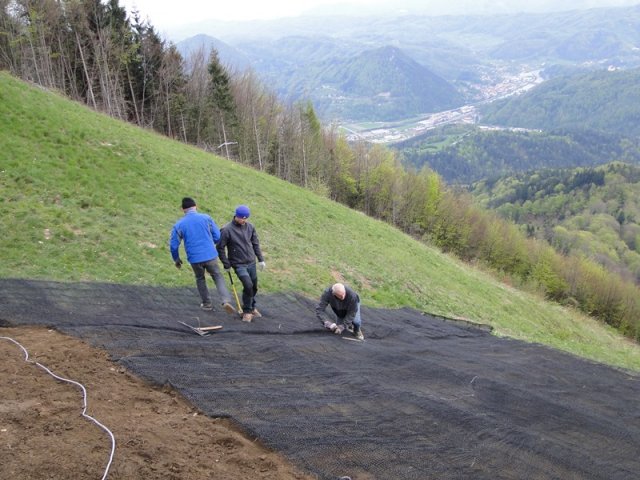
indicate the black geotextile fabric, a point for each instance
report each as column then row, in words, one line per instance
column 420, row 398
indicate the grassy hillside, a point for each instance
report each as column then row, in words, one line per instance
column 88, row 198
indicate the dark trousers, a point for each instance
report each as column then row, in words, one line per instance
column 210, row 267
column 357, row 320
column 248, row 275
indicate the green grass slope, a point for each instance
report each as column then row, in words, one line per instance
column 88, row 198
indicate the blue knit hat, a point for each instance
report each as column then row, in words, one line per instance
column 242, row 211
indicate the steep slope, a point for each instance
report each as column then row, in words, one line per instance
column 420, row 398
column 88, row 198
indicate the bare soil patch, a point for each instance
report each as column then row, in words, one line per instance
column 158, row 434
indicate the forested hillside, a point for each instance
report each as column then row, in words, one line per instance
column 593, row 212
column 384, row 83
column 607, row 101
column 464, row 155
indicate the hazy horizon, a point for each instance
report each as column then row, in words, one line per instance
column 174, row 22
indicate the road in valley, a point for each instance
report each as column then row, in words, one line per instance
column 397, row 131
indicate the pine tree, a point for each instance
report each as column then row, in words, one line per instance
column 221, row 103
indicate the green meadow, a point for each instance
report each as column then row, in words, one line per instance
column 86, row 198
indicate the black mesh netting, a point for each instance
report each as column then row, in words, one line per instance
column 420, row 398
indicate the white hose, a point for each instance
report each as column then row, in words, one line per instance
column 84, row 402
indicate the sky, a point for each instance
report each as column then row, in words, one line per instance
column 167, row 15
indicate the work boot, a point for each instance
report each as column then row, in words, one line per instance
column 247, row 317
column 206, row 306
column 229, row 308
column 358, row 334
column 256, row 313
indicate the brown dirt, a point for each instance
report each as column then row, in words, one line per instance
column 159, row 435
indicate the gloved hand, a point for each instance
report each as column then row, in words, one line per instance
column 262, row 265
column 339, row 329
column 178, row 264
column 329, row 325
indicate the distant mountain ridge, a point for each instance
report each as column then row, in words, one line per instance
column 594, row 34
column 380, row 83
column 229, row 56
column 608, row 101
column 472, row 53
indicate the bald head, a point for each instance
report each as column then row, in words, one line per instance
column 338, row 291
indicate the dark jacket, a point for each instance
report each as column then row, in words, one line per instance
column 345, row 309
column 239, row 245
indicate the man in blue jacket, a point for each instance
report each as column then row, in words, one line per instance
column 345, row 303
column 200, row 233
column 238, row 248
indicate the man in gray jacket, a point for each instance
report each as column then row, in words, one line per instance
column 345, row 303
column 238, row 247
